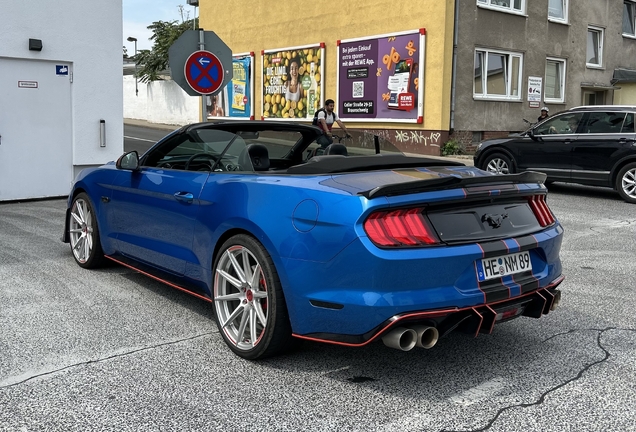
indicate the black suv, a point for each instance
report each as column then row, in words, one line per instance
column 591, row 145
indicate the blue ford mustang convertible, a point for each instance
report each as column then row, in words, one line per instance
column 347, row 244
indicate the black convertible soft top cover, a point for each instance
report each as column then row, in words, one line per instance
column 339, row 164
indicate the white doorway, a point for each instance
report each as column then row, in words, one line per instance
column 36, row 147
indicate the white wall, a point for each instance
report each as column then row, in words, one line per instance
column 160, row 102
column 88, row 35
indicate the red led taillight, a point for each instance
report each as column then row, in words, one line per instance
column 400, row 228
column 541, row 210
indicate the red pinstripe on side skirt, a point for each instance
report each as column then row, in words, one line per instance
column 170, row 284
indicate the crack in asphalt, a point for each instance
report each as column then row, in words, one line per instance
column 103, row 359
column 563, row 384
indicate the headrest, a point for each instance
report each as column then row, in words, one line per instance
column 254, row 156
column 336, row 149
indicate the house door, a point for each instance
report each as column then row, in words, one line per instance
column 36, row 148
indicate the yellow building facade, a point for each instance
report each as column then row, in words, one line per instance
column 344, row 50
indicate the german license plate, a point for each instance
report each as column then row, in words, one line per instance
column 504, row 265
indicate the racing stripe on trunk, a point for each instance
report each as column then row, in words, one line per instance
column 527, row 242
column 512, row 245
column 494, row 248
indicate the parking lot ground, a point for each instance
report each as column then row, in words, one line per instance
column 113, row 350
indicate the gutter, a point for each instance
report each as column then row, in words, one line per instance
column 454, row 71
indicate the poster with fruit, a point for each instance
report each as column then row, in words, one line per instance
column 236, row 99
column 381, row 78
column 292, row 83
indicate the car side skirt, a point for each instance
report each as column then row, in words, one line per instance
column 476, row 319
column 160, row 276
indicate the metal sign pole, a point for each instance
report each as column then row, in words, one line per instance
column 204, row 105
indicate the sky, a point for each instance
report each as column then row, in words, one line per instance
column 139, row 14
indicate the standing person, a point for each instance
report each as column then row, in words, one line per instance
column 544, row 114
column 324, row 119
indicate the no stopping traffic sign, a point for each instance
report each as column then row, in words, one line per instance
column 203, row 72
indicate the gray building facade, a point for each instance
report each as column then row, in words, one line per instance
column 513, row 57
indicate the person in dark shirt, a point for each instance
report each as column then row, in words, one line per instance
column 544, row 114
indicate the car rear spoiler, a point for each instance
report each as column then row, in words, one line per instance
column 453, row 182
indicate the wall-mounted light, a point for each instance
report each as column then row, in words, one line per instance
column 35, row 44
column 102, row 133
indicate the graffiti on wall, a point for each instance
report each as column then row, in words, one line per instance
column 413, row 141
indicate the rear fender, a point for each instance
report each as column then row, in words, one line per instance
column 619, row 165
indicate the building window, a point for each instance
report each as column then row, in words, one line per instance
column 497, row 75
column 555, row 80
column 629, row 14
column 594, row 47
column 558, row 11
column 514, row 6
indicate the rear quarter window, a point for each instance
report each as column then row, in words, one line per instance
column 604, row 123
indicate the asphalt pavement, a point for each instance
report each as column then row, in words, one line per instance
column 112, row 350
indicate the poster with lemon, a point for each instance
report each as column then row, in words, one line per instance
column 292, row 82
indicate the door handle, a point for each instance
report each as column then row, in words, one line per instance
column 184, row 196
column 626, row 140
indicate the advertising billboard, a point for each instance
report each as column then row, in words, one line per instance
column 292, row 82
column 235, row 101
column 381, row 78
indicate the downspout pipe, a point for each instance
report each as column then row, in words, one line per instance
column 454, row 71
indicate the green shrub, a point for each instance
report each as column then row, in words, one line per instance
column 452, row 147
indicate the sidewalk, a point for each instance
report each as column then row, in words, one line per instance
column 145, row 123
column 466, row 160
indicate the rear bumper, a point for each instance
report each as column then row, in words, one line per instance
column 364, row 287
column 473, row 320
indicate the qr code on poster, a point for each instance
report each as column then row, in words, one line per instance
column 358, row 89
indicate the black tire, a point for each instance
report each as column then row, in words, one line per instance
column 498, row 163
column 237, row 316
column 84, row 233
column 626, row 183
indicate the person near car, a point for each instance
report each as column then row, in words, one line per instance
column 326, row 118
column 544, row 114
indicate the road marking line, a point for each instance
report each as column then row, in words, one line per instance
column 139, row 139
column 478, row 393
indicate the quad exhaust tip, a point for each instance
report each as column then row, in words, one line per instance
column 405, row 339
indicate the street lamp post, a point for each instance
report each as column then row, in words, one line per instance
column 132, row 39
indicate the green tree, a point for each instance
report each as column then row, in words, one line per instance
column 154, row 61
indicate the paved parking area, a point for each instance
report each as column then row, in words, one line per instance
column 112, row 350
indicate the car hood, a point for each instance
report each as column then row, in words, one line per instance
column 497, row 141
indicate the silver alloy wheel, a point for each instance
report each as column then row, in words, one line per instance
column 628, row 183
column 81, row 230
column 240, row 297
column 499, row 166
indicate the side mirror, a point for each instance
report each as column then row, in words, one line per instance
column 532, row 135
column 128, row 161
